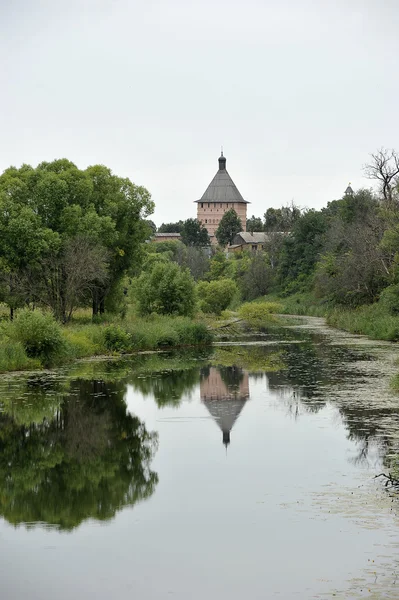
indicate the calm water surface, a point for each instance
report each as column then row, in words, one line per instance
column 245, row 471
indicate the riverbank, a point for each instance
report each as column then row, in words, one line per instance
column 35, row 340
column 373, row 320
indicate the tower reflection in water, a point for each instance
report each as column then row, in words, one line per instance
column 224, row 391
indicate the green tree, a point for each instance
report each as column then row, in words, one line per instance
column 166, row 290
column 257, row 278
column 171, row 227
column 254, row 224
column 193, row 233
column 281, row 219
column 42, row 209
column 301, row 249
column 230, row 224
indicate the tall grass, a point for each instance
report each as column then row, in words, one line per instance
column 35, row 340
column 372, row 320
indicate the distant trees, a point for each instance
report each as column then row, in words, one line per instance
column 171, row 227
column 281, row 219
column 254, row 224
column 230, row 224
column 68, row 236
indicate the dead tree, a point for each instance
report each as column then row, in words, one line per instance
column 384, row 168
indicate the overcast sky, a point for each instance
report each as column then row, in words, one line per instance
column 298, row 92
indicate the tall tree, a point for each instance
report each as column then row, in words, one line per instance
column 230, row 224
column 281, row 219
column 384, row 168
column 193, row 233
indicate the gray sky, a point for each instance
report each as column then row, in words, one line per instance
column 299, row 92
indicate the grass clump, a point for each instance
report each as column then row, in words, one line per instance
column 14, row 358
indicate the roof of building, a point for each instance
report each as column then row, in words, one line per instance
column 167, row 234
column 349, row 190
column 222, row 188
column 257, row 237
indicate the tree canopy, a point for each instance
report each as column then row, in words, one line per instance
column 193, row 233
column 57, row 219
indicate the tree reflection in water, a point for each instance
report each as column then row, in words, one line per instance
column 84, row 456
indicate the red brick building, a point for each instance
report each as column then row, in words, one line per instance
column 220, row 196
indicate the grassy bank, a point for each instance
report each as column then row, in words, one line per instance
column 34, row 340
column 373, row 320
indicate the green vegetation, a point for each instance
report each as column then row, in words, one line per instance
column 166, row 289
column 259, row 314
column 34, row 339
column 216, row 296
column 67, row 236
column 230, row 224
column 39, row 334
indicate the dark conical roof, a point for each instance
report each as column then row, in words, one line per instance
column 349, row 190
column 222, row 188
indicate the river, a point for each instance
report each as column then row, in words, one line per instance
column 242, row 471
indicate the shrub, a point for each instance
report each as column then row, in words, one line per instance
column 257, row 314
column 215, row 296
column 40, row 335
column 116, row 338
column 166, row 290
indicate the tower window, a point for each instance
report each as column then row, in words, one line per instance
column 202, row 205
column 206, row 220
column 208, row 204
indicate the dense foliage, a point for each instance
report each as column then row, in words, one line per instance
column 68, row 236
column 230, row 224
column 167, row 290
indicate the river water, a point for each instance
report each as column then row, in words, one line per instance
column 242, row 471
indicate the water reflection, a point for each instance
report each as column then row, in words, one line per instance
column 80, row 456
column 224, row 391
column 70, row 450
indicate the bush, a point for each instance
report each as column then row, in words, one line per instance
column 116, row 338
column 40, row 335
column 257, row 314
column 215, row 296
column 166, row 290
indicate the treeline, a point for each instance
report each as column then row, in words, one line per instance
column 346, row 254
